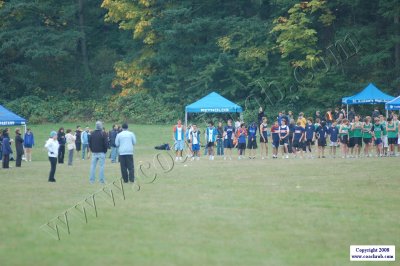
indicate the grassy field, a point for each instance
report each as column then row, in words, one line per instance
column 248, row 212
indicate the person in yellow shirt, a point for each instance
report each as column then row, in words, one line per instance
column 302, row 120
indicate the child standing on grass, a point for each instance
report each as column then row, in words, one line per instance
column 322, row 132
column 385, row 144
column 298, row 137
column 229, row 134
column 344, row 137
column 397, row 126
column 211, row 136
column 392, row 135
column 195, row 141
column 275, row 139
column 179, row 139
column 333, row 137
column 241, row 135
column 310, row 136
column 264, row 138
column 367, row 136
column 351, row 143
column 252, row 140
column 357, row 132
column 377, row 130
column 283, row 137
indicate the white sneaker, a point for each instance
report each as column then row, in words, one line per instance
column 180, row 158
column 176, row 159
column 287, row 157
column 224, row 158
column 198, row 158
column 262, row 158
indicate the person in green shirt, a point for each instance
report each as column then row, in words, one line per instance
column 367, row 136
column 377, row 130
column 397, row 125
column 351, row 140
column 344, row 137
column 392, row 135
column 357, row 131
column 384, row 137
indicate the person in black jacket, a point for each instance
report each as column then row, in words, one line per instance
column 19, row 147
column 61, row 140
column 6, row 149
column 98, row 143
column 78, row 141
column 112, row 135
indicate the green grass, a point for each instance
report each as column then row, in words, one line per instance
column 271, row 212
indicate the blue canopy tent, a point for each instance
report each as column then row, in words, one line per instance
column 370, row 95
column 8, row 118
column 212, row 103
column 393, row 104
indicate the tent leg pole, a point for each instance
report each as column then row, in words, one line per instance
column 387, row 114
column 347, row 114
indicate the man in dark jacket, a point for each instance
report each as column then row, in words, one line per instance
column 61, row 140
column 78, row 140
column 19, row 147
column 6, row 149
column 112, row 135
column 98, row 143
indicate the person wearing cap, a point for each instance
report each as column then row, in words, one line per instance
column 98, row 144
column 52, row 147
column 125, row 142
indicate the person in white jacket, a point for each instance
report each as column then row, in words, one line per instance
column 125, row 142
column 52, row 151
column 70, row 138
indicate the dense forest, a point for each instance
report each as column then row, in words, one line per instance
column 144, row 60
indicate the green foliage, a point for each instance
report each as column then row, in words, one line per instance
column 87, row 56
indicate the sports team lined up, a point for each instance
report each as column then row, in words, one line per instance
column 296, row 137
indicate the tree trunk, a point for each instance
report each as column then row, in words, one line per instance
column 82, row 40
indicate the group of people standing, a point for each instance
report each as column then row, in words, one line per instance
column 94, row 144
column 349, row 131
column 23, row 146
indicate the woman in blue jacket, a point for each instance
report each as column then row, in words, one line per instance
column 29, row 142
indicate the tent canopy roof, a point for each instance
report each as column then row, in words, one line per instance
column 393, row 104
column 370, row 95
column 213, row 103
column 8, row 118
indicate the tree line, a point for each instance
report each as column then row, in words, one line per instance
column 115, row 57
